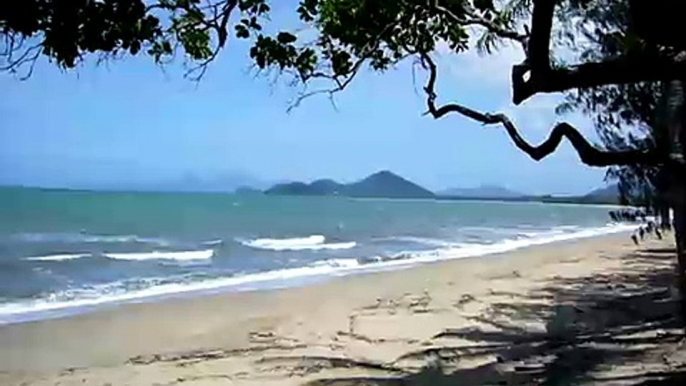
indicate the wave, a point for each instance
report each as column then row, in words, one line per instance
column 507, row 245
column 60, row 257
column 74, row 299
column 87, row 238
column 314, row 242
column 117, row 292
column 158, row 255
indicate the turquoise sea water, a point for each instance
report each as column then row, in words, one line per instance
column 69, row 251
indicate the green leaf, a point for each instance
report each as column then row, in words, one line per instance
column 242, row 31
column 285, row 38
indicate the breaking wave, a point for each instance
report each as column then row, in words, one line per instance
column 312, row 243
column 60, row 257
column 157, row 255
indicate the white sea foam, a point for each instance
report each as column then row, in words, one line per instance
column 472, row 250
column 116, row 292
column 60, row 257
column 157, row 255
column 314, row 242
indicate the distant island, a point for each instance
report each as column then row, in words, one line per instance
column 383, row 184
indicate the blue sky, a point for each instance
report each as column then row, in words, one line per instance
column 131, row 123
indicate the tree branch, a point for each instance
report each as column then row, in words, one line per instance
column 500, row 32
column 589, row 154
column 29, row 57
column 618, row 71
column 488, row 25
column 544, row 79
column 538, row 55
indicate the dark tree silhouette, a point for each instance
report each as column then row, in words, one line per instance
column 66, row 32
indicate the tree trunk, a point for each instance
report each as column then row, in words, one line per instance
column 680, row 235
column 680, row 241
column 679, row 206
column 675, row 116
column 671, row 118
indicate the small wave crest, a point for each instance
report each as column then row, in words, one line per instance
column 314, row 242
column 60, row 257
column 86, row 238
column 158, row 255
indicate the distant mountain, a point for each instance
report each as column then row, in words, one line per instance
column 387, row 184
column 326, row 187
column 382, row 184
column 608, row 194
column 483, row 191
column 608, row 191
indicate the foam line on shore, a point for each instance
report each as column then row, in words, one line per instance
column 72, row 302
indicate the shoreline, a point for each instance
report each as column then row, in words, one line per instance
column 314, row 318
column 31, row 311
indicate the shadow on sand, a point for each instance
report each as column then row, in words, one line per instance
column 604, row 329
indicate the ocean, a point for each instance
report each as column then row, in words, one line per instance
column 65, row 252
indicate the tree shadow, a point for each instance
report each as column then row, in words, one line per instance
column 615, row 329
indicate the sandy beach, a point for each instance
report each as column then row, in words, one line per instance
column 593, row 311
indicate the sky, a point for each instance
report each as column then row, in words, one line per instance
column 132, row 124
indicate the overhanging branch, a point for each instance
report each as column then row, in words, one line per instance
column 618, row 71
column 472, row 18
column 535, row 74
column 589, row 154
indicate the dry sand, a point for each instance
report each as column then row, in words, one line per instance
column 596, row 311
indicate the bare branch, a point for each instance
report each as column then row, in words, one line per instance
column 589, row 154
column 198, row 72
column 340, row 85
column 347, row 79
column 492, row 28
column 29, row 56
column 221, row 14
